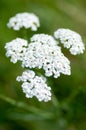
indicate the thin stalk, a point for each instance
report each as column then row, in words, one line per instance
column 19, row 104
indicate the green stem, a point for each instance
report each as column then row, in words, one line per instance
column 55, row 101
column 72, row 96
column 19, row 104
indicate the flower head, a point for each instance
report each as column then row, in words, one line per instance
column 26, row 20
column 46, row 56
column 44, row 39
column 15, row 49
column 70, row 40
column 35, row 86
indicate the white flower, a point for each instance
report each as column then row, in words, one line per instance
column 42, row 55
column 26, row 20
column 49, row 58
column 44, row 39
column 35, row 86
column 15, row 49
column 70, row 40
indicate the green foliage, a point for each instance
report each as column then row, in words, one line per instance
column 67, row 110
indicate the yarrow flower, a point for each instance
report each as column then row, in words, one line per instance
column 26, row 20
column 15, row 49
column 35, row 86
column 44, row 39
column 50, row 58
column 42, row 52
column 70, row 40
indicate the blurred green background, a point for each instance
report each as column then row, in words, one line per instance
column 67, row 110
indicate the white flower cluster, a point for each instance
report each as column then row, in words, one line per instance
column 26, row 20
column 42, row 52
column 70, row 40
column 15, row 49
column 44, row 39
column 35, row 86
column 49, row 57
